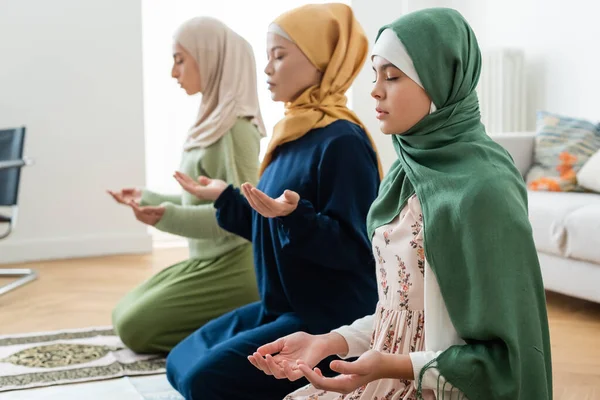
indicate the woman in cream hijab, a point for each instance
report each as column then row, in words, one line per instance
column 306, row 217
column 223, row 143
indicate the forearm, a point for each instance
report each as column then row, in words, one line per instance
column 357, row 336
column 397, row 366
column 323, row 239
column 333, row 343
column 195, row 222
column 234, row 213
column 150, row 198
column 426, row 374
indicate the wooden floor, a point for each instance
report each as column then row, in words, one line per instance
column 81, row 293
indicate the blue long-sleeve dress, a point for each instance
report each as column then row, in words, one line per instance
column 314, row 267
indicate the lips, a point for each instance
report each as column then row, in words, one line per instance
column 381, row 114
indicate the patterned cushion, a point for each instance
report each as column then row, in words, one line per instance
column 562, row 147
column 589, row 176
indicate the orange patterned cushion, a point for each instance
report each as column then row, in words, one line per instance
column 562, row 146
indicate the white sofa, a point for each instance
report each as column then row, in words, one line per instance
column 566, row 229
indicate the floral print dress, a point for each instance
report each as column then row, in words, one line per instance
column 399, row 318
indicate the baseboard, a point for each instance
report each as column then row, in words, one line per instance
column 164, row 240
column 74, row 247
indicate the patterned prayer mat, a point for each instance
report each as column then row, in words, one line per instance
column 69, row 356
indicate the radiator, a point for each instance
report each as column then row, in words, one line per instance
column 501, row 90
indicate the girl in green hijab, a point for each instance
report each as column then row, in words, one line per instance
column 462, row 311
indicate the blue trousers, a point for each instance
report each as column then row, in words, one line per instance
column 212, row 364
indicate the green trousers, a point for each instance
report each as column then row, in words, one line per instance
column 172, row 304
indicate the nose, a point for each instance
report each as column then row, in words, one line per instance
column 376, row 93
column 268, row 69
column 174, row 72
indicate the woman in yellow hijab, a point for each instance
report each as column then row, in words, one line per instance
column 306, row 218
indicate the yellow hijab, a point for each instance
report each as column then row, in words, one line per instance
column 332, row 39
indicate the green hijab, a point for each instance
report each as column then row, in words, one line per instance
column 477, row 236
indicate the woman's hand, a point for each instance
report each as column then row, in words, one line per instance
column 148, row 215
column 279, row 357
column 269, row 207
column 371, row 366
column 125, row 196
column 204, row 189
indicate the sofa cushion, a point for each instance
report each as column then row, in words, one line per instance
column 562, row 146
column 519, row 145
column 589, row 176
column 583, row 232
column 556, row 216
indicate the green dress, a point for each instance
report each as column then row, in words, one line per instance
column 219, row 275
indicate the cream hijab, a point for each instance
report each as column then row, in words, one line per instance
column 227, row 77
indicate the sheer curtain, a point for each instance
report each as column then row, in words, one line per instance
column 169, row 112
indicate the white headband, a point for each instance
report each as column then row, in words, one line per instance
column 390, row 47
column 276, row 29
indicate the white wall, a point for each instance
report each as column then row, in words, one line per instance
column 369, row 14
column 560, row 39
column 71, row 71
column 561, row 42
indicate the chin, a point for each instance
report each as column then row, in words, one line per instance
column 276, row 97
column 385, row 129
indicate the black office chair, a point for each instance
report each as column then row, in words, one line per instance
column 11, row 162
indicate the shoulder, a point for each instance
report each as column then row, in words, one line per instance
column 240, row 146
column 244, row 130
column 498, row 197
column 343, row 129
column 345, row 148
column 343, row 136
column 242, row 137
